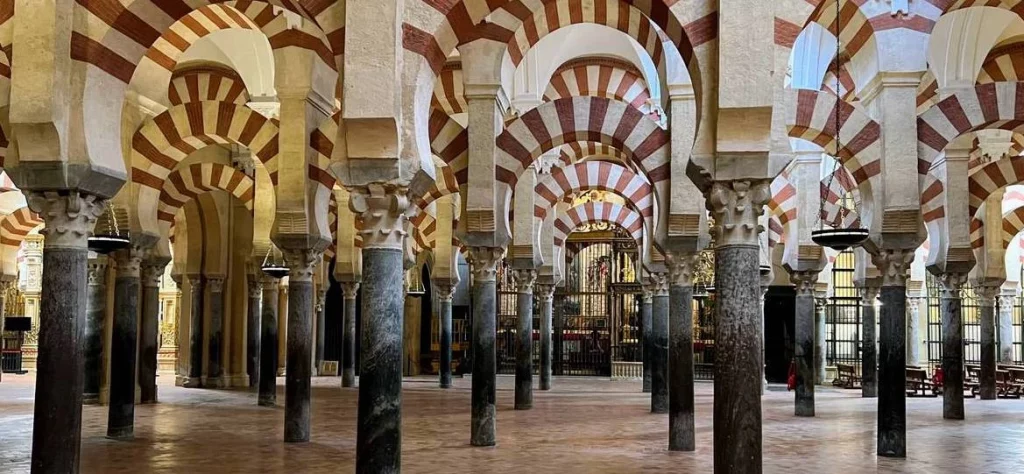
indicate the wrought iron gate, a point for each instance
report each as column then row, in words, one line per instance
column 843, row 315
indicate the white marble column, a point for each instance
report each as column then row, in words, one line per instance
column 914, row 331
column 1007, row 335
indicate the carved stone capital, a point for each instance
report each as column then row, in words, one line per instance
column 525, row 278
column 868, row 294
column 681, row 268
column 69, row 217
column 215, row 284
column 195, row 283
column 350, row 290
column 484, row 261
column 804, row 281
column 153, row 272
column 987, row 294
column 97, row 272
column 129, row 261
column 647, row 292
column 255, row 286
column 382, row 211
column 544, row 292
column 736, row 205
column 268, row 282
column 894, row 265
column 951, row 283
column 445, row 291
column 659, row 284
column 1006, row 303
column 302, row 262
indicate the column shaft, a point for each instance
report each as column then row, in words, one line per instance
column 149, row 331
column 952, row 349
column 268, row 343
column 483, row 423
column 445, row 368
column 1006, row 330
column 546, row 297
column 252, row 332
column 987, row 312
column 348, row 338
column 647, row 337
column 195, row 336
column 379, row 434
column 803, row 345
column 96, row 309
column 121, row 414
column 659, row 347
column 321, row 323
column 892, row 373
column 524, row 339
column 868, row 341
column 820, row 319
column 913, row 333
column 681, row 430
column 298, row 362
column 215, row 341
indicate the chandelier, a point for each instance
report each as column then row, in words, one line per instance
column 273, row 267
column 108, row 236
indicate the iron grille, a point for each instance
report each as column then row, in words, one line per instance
column 843, row 315
column 970, row 314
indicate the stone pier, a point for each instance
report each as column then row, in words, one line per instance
column 681, row 430
column 95, row 319
column 483, row 425
column 820, row 327
column 525, row 279
column 914, row 331
column 321, row 323
column 1007, row 336
column 894, row 265
column 348, row 340
column 268, row 342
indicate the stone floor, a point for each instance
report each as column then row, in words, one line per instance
column 582, row 426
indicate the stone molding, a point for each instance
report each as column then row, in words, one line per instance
column 681, row 268
column 70, row 217
column 804, row 281
column 736, row 206
column 525, row 279
column 445, row 291
column 545, row 292
column 894, row 265
column 350, row 290
column 97, row 272
column 302, row 262
column 382, row 210
column 484, row 262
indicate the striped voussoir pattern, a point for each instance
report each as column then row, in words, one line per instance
column 860, row 20
column 117, row 36
column 932, row 208
column 332, row 223
column 776, row 232
column 450, row 91
column 591, row 119
column 782, row 204
column 833, row 189
column 1003, row 64
column 573, row 152
column 845, row 87
column 189, row 182
column 212, row 84
column 1013, row 222
column 16, row 225
column 424, row 224
column 811, row 115
column 996, row 106
column 595, row 175
column 163, row 141
column 601, row 80
column 599, row 212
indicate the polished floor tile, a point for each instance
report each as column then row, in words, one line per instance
column 582, row 426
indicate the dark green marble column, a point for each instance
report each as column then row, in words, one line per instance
column 268, row 342
column 987, row 313
column 348, row 338
column 546, row 294
column 894, row 265
column 483, row 423
column 445, row 290
column 681, row 430
column 95, row 322
column 952, row 345
column 124, row 340
column 525, row 279
column 149, row 326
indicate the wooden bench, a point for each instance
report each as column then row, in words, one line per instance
column 1010, row 381
column 847, row 376
column 918, row 383
column 972, row 379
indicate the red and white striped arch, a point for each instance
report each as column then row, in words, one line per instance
column 1013, row 223
column 573, row 152
column 776, row 231
column 600, row 77
column 1004, row 63
column 811, row 116
column 993, row 177
column 595, row 212
column 449, row 90
column 332, row 223
column 189, row 182
column 163, row 141
column 594, row 175
column 207, row 83
column 16, row 225
column 782, row 205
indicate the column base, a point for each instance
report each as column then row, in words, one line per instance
column 156, row 397
column 214, row 382
column 121, row 434
column 267, row 401
column 192, row 382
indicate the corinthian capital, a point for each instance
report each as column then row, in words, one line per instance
column 736, row 205
column 97, row 271
column 894, row 264
column 301, row 263
column 681, row 267
column 382, row 210
column 70, row 217
column 659, row 284
column 525, row 278
column 153, row 271
column 484, row 261
column 804, row 282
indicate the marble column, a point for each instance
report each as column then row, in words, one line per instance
column 268, row 342
column 546, row 293
column 299, row 360
column 820, row 320
column 914, row 331
column 681, row 429
column 95, row 320
column 894, row 265
column 736, row 206
column 215, row 335
column 5, row 286
column 803, row 344
column 57, row 421
column 525, row 279
column 379, row 425
column 123, row 343
column 659, row 345
column 195, row 335
column 952, row 346
column 149, row 327
column 987, row 313
column 348, row 338
column 483, row 425
column 1006, row 334
column 868, row 342
column 321, row 323
column 646, row 308
column 445, row 291
column 252, row 331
